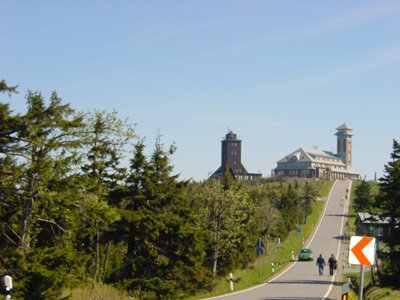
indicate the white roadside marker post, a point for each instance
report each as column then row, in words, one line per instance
column 8, row 284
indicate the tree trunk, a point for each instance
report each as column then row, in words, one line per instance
column 96, row 274
column 26, row 224
column 131, row 241
column 216, row 249
column 305, row 214
column 27, row 217
column 105, row 261
column 215, row 257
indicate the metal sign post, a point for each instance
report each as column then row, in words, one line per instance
column 362, row 252
column 361, row 290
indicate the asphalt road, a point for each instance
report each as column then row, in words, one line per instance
column 301, row 279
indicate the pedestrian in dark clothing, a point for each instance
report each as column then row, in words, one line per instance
column 332, row 264
column 321, row 263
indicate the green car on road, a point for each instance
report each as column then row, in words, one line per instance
column 306, row 254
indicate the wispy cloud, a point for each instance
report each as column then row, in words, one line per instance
column 342, row 21
column 349, row 19
column 384, row 57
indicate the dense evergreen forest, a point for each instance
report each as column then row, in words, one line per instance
column 73, row 211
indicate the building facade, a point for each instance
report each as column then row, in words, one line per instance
column 371, row 225
column 231, row 158
column 316, row 163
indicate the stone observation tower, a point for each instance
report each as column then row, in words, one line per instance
column 344, row 144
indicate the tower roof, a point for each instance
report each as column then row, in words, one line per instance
column 344, row 130
column 343, row 127
column 230, row 136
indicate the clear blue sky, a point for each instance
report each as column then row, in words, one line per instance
column 280, row 74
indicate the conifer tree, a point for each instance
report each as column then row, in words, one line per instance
column 4, row 88
column 106, row 136
column 39, row 151
column 363, row 197
column 164, row 253
column 288, row 204
column 388, row 201
column 134, row 226
column 9, row 171
column 227, row 178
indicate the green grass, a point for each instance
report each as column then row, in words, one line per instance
column 381, row 294
column 95, row 291
column 325, row 188
column 371, row 292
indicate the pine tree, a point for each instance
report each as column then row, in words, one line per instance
column 4, row 88
column 227, row 178
column 105, row 138
column 9, row 171
column 164, row 253
column 388, row 201
column 363, row 196
column 288, row 204
column 39, row 150
column 135, row 225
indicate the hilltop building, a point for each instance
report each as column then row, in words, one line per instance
column 231, row 152
column 316, row 163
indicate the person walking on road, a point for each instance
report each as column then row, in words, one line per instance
column 321, row 263
column 332, row 264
